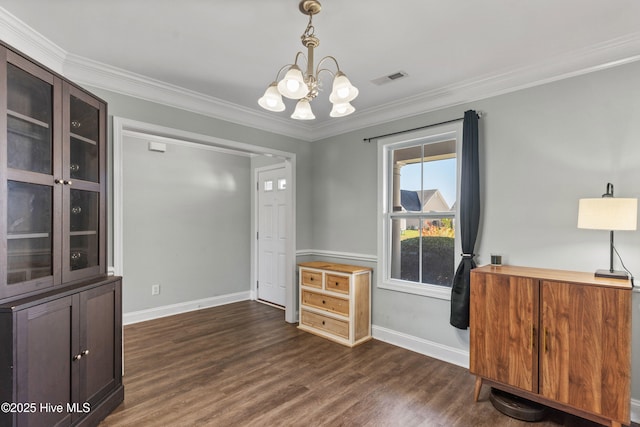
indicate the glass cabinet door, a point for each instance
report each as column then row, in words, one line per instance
column 28, row 225
column 83, row 192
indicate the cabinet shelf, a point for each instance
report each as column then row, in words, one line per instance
column 28, row 236
column 83, row 233
column 27, row 119
column 83, row 139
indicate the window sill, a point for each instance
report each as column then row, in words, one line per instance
column 432, row 291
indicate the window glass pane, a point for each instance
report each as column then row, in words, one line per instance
column 268, row 185
column 438, row 251
column 439, row 185
column 282, row 184
column 405, row 257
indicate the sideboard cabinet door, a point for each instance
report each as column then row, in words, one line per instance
column 503, row 329
column 585, row 360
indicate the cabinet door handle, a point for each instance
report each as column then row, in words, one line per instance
column 77, row 357
column 545, row 340
column 84, row 353
column 58, row 181
column 533, row 337
column 67, row 182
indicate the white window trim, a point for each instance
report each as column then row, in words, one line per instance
column 385, row 147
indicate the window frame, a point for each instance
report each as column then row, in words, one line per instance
column 386, row 146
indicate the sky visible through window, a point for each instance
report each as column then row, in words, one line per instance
column 438, row 174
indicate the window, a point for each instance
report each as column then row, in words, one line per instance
column 419, row 180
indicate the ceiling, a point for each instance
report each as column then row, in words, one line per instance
column 218, row 56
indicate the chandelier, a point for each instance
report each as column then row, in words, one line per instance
column 305, row 87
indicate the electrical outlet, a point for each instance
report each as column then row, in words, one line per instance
column 155, row 289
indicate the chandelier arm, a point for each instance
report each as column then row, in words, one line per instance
column 324, row 69
column 281, row 70
column 324, row 59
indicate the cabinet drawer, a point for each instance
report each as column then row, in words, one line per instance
column 325, row 302
column 337, row 283
column 318, row 321
column 312, row 278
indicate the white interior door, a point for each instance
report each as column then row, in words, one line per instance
column 272, row 235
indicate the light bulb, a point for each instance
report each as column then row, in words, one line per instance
column 343, row 92
column 293, row 85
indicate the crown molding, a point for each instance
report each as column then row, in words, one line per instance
column 84, row 71
column 612, row 53
column 103, row 76
column 16, row 33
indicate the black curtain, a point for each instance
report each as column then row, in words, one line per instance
column 469, row 220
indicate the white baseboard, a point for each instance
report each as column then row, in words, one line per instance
column 635, row 410
column 422, row 346
column 183, row 307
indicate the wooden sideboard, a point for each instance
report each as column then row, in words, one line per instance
column 556, row 337
column 335, row 301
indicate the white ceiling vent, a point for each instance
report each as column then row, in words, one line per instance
column 390, row 78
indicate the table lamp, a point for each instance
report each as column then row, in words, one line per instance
column 608, row 213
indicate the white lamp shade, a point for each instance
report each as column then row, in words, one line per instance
column 272, row 100
column 303, row 111
column 341, row 110
column 608, row 213
column 343, row 91
column 292, row 85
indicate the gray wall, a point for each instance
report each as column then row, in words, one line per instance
column 542, row 149
column 186, row 217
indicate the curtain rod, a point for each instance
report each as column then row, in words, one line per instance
column 479, row 114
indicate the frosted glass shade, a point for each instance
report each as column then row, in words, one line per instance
column 303, row 111
column 342, row 91
column 341, row 110
column 272, row 100
column 292, row 85
column 608, row 213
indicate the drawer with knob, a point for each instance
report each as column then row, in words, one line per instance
column 325, row 323
column 311, row 278
column 326, row 302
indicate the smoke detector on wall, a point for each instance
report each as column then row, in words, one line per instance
column 390, row 78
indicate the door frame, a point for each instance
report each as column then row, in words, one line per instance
column 290, row 296
column 120, row 128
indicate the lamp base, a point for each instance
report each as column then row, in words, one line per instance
column 612, row 274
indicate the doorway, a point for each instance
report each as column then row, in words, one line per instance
column 272, row 234
column 126, row 127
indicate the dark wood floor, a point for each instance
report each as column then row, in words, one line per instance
column 242, row 365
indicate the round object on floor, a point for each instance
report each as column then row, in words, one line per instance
column 517, row 407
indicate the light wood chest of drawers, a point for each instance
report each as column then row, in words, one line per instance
column 335, row 301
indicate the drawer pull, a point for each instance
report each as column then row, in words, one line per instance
column 337, row 283
column 323, row 322
column 324, row 302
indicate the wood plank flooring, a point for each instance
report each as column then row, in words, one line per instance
column 242, row 365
